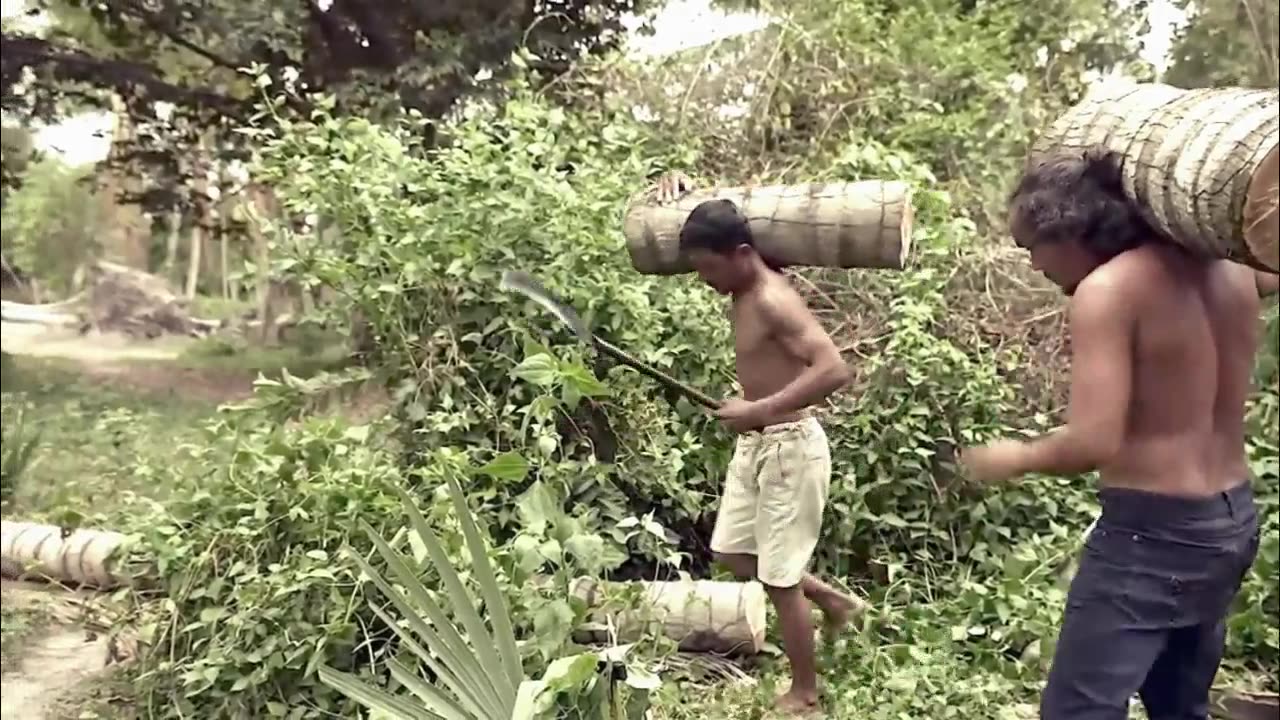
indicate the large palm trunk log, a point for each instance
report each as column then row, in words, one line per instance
column 1203, row 165
column 699, row 615
column 837, row 225
column 92, row 558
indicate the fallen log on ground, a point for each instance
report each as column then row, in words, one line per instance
column 90, row 558
column 37, row 314
column 837, row 225
column 727, row 618
column 1202, row 165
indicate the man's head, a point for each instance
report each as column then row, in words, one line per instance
column 1070, row 211
column 717, row 240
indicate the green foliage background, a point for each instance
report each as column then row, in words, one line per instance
column 562, row 455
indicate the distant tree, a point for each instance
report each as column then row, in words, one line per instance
column 51, row 224
column 17, row 146
column 184, row 71
column 1227, row 42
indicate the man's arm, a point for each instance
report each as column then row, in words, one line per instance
column 791, row 323
column 1101, row 377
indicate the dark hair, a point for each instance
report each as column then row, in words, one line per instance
column 1077, row 195
column 715, row 225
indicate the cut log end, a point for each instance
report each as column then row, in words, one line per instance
column 905, row 227
column 1261, row 214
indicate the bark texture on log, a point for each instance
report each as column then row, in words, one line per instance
column 863, row 224
column 84, row 557
column 699, row 615
column 1202, row 165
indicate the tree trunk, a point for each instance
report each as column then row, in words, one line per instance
column 193, row 261
column 1203, row 166
column 837, row 225
column 224, row 269
column 171, row 245
column 200, row 213
column 261, row 197
column 127, row 235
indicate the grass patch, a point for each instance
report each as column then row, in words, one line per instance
column 97, row 440
column 105, row 439
column 303, row 360
column 216, row 308
column 17, row 623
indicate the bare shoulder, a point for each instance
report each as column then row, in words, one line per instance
column 1114, row 293
column 1246, row 280
column 782, row 306
column 1240, row 278
column 1129, row 275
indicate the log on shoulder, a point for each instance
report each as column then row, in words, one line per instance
column 864, row 224
column 1202, row 165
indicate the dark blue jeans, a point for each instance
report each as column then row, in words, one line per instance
column 1146, row 612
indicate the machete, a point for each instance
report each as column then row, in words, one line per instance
column 523, row 283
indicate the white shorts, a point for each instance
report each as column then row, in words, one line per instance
column 774, row 494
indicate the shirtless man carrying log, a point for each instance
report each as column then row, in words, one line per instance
column 771, row 510
column 1163, row 347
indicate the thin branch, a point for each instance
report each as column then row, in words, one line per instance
column 69, row 64
column 171, row 32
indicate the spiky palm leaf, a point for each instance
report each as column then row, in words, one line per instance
column 478, row 669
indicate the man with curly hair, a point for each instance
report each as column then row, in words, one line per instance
column 1163, row 345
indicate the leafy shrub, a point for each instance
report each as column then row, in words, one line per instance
column 52, row 222
column 19, row 449
column 420, row 240
column 257, row 592
column 256, row 599
column 476, row 669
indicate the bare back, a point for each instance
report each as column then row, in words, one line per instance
column 764, row 359
column 1194, row 332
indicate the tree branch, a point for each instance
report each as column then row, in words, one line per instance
column 68, row 64
column 169, row 31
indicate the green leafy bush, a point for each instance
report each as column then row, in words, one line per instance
column 255, row 599
column 19, row 449
column 420, row 240
column 476, row 669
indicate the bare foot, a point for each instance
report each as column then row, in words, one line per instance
column 839, row 609
column 798, row 704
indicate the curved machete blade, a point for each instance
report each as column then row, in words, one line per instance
column 524, row 283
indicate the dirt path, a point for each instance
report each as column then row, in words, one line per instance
column 116, row 359
column 54, row 662
column 53, row 665
column 66, row 343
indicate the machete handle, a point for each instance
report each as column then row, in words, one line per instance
column 621, row 356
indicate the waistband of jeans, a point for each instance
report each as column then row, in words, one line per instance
column 1137, row 508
